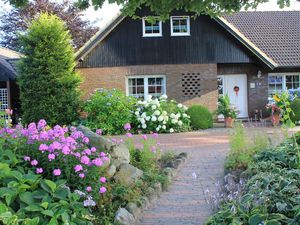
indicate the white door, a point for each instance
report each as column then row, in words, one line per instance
column 236, row 88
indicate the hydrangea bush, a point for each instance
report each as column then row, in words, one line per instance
column 161, row 115
column 109, row 110
column 59, row 153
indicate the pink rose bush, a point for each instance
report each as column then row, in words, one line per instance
column 59, row 153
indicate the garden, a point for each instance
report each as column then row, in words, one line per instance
column 58, row 166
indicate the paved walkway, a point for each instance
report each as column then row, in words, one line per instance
column 184, row 203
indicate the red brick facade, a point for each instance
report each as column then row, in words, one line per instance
column 176, row 76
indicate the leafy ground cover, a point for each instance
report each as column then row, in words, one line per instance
column 270, row 194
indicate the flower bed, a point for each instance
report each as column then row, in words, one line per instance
column 270, row 194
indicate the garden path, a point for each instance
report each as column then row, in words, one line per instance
column 185, row 201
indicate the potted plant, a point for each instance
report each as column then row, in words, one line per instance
column 275, row 113
column 227, row 110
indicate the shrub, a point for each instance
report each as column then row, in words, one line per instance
column 109, row 110
column 58, row 153
column 200, row 117
column 161, row 115
column 295, row 106
column 48, row 81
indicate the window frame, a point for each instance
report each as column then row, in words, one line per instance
column 151, row 35
column 283, row 75
column 146, row 87
column 188, row 33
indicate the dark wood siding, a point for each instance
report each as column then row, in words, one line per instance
column 208, row 43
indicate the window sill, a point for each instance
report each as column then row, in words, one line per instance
column 180, row 35
column 152, row 36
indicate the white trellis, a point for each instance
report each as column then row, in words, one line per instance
column 3, row 99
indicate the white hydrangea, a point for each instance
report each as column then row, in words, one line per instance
column 153, row 118
column 185, row 108
column 164, row 113
column 185, row 115
column 137, row 113
column 163, row 127
column 180, row 123
column 179, row 105
column 157, row 112
column 148, row 118
column 153, row 107
column 163, row 97
column 171, row 130
column 174, row 121
column 160, row 118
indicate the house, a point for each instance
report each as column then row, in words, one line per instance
column 8, row 89
column 249, row 55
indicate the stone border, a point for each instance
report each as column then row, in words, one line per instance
column 132, row 213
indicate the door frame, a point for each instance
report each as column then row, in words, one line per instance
column 246, row 86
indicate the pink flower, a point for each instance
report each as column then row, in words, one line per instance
column 39, row 170
column 66, row 150
column 155, row 135
column 127, row 126
column 144, row 136
column 129, row 135
column 86, row 140
column 43, row 147
column 87, row 151
column 89, row 189
column 93, row 149
column 153, row 149
column 81, row 175
column 56, row 172
column 9, row 111
column 102, row 154
column 97, row 162
column 85, row 160
column 78, row 168
column 51, row 157
column 42, row 124
column 26, row 158
column 99, row 131
column 77, row 154
column 34, row 162
column 102, row 179
column 105, row 158
column 102, row 190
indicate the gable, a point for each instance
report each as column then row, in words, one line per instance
column 125, row 45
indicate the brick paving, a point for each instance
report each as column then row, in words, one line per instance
column 184, row 203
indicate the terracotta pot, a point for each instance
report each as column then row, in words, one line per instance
column 229, row 122
column 275, row 119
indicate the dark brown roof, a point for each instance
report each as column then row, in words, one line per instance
column 276, row 33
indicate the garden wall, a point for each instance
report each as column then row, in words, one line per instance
column 186, row 83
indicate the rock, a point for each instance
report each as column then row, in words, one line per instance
column 158, row 188
column 169, row 171
column 134, row 210
column 123, row 217
column 97, row 141
column 145, row 203
column 120, row 154
column 111, row 171
column 128, row 174
column 151, row 194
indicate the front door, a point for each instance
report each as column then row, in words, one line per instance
column 236, row 88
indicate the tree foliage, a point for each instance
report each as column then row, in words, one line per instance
column 164, row 7
column 18, row 20
column 48, row 83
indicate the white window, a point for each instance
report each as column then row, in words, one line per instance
column 279, row 82
column 180, row 25
column 142, row 86
column 152, row 27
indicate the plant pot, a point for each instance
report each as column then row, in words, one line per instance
column 229, row 122
column 275, row 119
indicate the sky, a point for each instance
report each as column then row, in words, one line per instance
column 108, row 11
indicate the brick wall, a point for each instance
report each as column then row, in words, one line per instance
column 258, row 96
column 176, row 75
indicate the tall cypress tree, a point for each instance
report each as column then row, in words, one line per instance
column 48, row 82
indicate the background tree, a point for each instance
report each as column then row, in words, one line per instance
column 48, row 82
column 164, row 7
column 18, row 20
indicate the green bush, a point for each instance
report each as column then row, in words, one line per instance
column 201, row 118
column 109, row 110
column 295, row 106
column 48, row 81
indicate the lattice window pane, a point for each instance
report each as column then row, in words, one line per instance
column 3, row 99
column 191, row 85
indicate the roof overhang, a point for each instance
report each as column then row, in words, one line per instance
column 101, row 34
column 246, row 42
